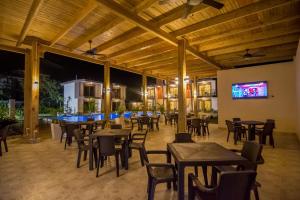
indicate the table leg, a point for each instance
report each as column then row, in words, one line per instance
column 91, row 166
column 126, row 153
column 251, row 132
column 180, row 181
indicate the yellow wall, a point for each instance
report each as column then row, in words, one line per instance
column 280, row 105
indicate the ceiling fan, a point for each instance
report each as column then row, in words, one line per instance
column 191, row 3
column 249, row 56
column 93, row 52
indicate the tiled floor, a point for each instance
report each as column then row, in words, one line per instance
column 46, row 171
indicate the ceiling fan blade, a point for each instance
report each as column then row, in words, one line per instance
column 213, row 3
column 187, row 11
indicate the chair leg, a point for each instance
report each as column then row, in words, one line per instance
column 191, row 192
column 117, row 163
column 66, row 143
column 256, row 195
column 204, row 171
column 141, row 157
column 98, row 165
column 196, row 171
column 85, row 155
column 271, row 140
column 61, row 137
column 174, row 185
column 6, row 148
column 78, row 158
column 152, row 191
column 228, row 135
column 0, row 149
column 149, row 184
column 95, row 156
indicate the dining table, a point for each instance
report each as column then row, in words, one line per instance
column 251, row 127
column 117, row 133
column 201, row 154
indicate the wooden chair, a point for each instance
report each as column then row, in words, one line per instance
column 233, row 185
column 204, row 125
column 155, row 121
column 267, row 130
column 144, row 120
column 241, row 130
column 3, row 135
column 70, row 134
column 252, row 152
column 159, row 172
column 133, row 122
column 62, row 125
column 137, row 142
column 83, row 146
column 230, row 128
column 107, row 148
column 196, row 125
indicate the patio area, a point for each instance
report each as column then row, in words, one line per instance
column 47, row 171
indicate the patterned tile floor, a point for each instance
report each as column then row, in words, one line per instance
column 46, row 171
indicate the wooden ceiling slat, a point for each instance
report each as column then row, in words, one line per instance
column 118, row 10
column 233, row 15
column 158, row 21
column 242, row 30
column 95, row 31
column 91, row 5
column 35, row 7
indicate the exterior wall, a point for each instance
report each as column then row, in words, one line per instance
column 297, row 63
column 280, row 105
column 69, row 91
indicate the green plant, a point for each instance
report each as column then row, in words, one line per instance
column 121, row 109
column 3, row 111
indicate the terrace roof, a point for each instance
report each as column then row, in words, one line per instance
column 141, row 36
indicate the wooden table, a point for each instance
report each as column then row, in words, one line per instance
column 118, row 133
column 251, row 127
column 201, row 154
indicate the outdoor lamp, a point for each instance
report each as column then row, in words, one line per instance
column 35, row 84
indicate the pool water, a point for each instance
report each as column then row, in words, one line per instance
column 96, row 117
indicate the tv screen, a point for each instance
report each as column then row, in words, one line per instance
column 250, row 90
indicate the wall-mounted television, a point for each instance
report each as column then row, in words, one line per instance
column 250, row 90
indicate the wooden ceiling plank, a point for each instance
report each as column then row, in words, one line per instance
column 159, row 21
column 95, row 31
column 242, row 30
column 233, row 15
column 257, row 44
column 33, row 11
column 118, row 10
column 91, row 5
column 12, row 49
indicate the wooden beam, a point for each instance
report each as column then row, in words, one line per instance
column 118, row 10
column 107, row 92
column 88, row 59
column 257, row 44
column 31, row 92
column 194, row 87
column 240, row 39
column 181, row 126
column 145, row 99
column 233, row 15
column 248, row 28
column 34, row 9
column 157, row 21
column 12, row 49
column 99, row 29
column 87, row 9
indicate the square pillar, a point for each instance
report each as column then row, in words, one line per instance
column 168, row 96
column 31, row 92
column 107, row 92
column 195, row 108
column 181, row 86
column 145, row 93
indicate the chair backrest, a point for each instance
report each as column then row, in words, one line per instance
column 4, row 132
column 236, row 119
column 116, row 126
column 70, row 128
column 235, row 185
column 90, row 119
column 196, row 122
column 271, row 121
column 78, row 136
column 144, row 119
column 252, row 152
column 268, row 128
column 230, row 126
column 106, row 145
column 183, row 138
column 140, row 137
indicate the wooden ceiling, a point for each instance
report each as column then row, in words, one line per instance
column 141, row 35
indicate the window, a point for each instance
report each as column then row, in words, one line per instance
column 89, row 91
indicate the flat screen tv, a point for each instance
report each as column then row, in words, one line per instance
column 250, row 90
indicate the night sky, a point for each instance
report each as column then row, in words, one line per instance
column 63, row 69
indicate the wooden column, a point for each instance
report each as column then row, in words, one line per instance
column 195, row 108
column 145, row 93
column 31, row 92
column 168, row 95
column 107, row 91
column 181, row 86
